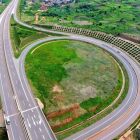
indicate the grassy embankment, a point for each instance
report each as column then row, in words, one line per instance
column 83, row 74
column 107, row 16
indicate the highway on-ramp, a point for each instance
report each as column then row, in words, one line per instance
column 121, row 118
column 27, row 120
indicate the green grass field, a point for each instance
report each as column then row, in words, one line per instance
column 64, row 73
column 108, row 16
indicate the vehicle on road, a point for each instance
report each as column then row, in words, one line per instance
column 7, row 121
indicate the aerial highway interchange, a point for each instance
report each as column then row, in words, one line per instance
column 27, row 121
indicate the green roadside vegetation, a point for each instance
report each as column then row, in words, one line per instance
column 3, row 134
column 22, row 36
column 110, row 16
column 3, row 5
column 76, row 80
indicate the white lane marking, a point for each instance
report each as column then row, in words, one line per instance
column 30, row 109
column 40, row 119
column 133, row 86
column 1, row 18
column 37, row 122
column 40, row 129
column 33, row 121
column 28, row 123
column 43, row 137
column 36, row 49
column 12, row 115
column 15, row 122
column 35, row 134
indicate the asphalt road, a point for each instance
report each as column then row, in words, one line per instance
column 18, row 100
column 26, row 119
column 15, row 130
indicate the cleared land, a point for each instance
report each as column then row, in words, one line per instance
column 74, row 80
column 110, row 16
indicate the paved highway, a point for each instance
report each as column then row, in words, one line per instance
column 26, row 119
column 25, row 115
column 10, row 109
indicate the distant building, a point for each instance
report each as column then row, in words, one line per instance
column 43, row 7
column 57, row 2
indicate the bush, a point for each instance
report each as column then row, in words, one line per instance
column 91, row 102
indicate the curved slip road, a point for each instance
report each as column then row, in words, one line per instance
column 111, row 123
column 21, row 100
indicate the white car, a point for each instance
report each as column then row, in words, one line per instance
column 7, row 120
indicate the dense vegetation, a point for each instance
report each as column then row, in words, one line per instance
column 111, row 16
column 3, row 134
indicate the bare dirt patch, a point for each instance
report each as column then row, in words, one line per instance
column 82, row 22
column 57, row 89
